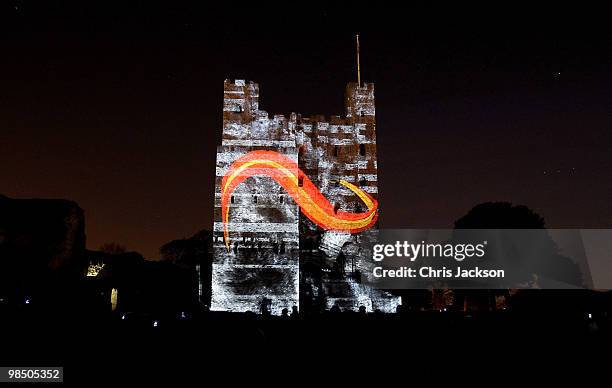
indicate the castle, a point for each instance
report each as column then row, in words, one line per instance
column 278, row 258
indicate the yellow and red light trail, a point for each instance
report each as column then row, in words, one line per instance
column 310, row 200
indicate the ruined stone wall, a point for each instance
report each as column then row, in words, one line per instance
column 327, row 151
column 263, row 261
column 40, row 239
column 341, row 148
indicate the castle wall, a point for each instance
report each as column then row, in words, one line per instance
column 271, row 239
column 263, row 260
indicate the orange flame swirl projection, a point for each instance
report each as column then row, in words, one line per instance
column 312, row 203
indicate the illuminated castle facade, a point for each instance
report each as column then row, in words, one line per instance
column 278, row 258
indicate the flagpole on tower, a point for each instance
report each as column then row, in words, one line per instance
column 358, row 66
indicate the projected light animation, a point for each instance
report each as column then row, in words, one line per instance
column 295, row 199
column 310, row 200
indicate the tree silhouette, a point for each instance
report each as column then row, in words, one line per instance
column 500, row 215
column 504, row 215
column 188, row 251
column 113, row 248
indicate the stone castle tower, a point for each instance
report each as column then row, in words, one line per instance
column 278, row 258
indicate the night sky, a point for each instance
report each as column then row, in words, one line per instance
column 119, row 108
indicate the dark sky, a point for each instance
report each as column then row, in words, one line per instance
column 119, row 107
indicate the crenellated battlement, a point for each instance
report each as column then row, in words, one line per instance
column 240, row 96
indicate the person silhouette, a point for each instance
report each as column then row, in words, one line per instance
column 362, row 311
column 294, row 312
